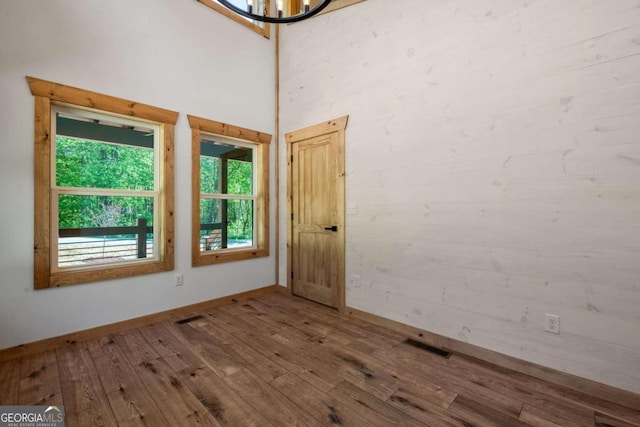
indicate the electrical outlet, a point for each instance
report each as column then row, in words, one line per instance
column 355, row 280
column 179, row 279
column 352, row 209
column 552, row 323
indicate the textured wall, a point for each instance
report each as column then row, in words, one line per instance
column 165, row 53
column 493, row 150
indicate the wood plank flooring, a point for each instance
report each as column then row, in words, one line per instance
column 281, row 361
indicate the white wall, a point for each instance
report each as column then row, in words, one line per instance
column 178, row 55
column 493, row 150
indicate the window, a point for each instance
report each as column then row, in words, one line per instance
column 230, row 192
column 257, row 26
column 103, row 186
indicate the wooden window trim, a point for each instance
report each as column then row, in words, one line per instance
column 47, row 94
column 261, row 141
column 263, row 31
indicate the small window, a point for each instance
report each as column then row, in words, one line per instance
column 230, row 203
column 104, row 187
column 261, row 28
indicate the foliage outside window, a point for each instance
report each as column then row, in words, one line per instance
column 257, row 26
column 103, row 186
column 230, row 192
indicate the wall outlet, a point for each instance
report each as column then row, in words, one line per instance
column 552, row 323
column 352, row 209
column 179, row 279
column 355, row 280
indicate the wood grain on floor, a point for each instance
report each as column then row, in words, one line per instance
column 282, row 361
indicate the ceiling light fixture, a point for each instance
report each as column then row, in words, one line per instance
column 284, row 8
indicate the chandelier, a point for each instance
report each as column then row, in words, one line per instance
column 286, row 10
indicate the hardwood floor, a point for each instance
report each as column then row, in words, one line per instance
column 282, row 361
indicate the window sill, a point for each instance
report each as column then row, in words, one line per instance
column 217, row 257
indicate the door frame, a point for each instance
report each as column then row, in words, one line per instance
column 338, row 127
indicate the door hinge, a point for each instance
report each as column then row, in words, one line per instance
column 291, row 217
column 292, row 158
column 292, row 274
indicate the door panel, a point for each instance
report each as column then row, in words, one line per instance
column 316, row 255
column 316, row 266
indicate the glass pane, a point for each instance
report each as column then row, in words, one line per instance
column 240, row 177
column 240, row 221
column 100, row 154
column 259, row 5
column 242, row 4
column 209, row 175
column 104, row 229
column 211, row 224
column 225, row 169
column 225, row 224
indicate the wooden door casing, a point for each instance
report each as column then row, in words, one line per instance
column 316, row 202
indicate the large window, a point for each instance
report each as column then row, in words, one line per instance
column 230, row 192
column 257, row 26
column 103, row 186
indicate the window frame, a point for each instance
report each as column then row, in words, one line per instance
column 260, row 142
column 83, row 191
column 264, row 31
column 47, row 94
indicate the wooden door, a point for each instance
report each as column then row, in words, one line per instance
column 316, row 166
